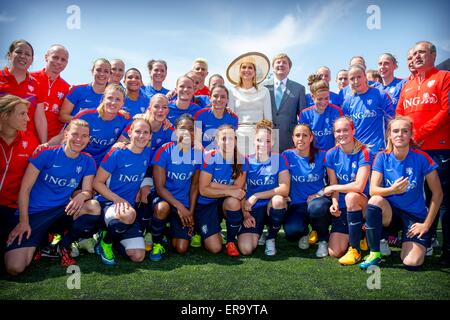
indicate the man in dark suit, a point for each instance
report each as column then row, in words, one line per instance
column 287, row 98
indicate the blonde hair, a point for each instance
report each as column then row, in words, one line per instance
column 77, row 123
column 254, row 77
column 200, row 60
column 358, row 144
column 264, row 124
column 316, row 84
column 389, row 143
column 282, row 56
column 110, row 88
column 140, row 118
column 155, row 97
column 9, row 102
column 103, row 60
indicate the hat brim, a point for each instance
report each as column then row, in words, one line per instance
column 260, row 60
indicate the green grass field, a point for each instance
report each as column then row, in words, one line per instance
column 292, row 274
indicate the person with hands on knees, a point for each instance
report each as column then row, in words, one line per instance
column 267, row 191
column 308, row 204
column 118, row 180
column 175, row 167
column 397, row 198
column 221, row 187
column 48, row 195
column 348, row 168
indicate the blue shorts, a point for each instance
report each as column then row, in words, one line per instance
column 207, row 221
column 340, row 224
column 40, row 223
column 177, row 230
column 260, row 215
column 407, row 220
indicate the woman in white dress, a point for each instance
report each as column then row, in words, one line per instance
column 249, row 100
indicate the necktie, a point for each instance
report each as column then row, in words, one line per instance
column 278, row 95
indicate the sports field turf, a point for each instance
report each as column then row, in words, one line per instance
column 198, row 275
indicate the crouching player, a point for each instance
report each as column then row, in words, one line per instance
column 117, row 181
column 221, row 187
column 45, row 199
column 308, row 205
column 398, row 198
column 267, row 191
column 175, row 167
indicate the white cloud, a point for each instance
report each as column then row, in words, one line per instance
column 5, row 18
column 292, row 31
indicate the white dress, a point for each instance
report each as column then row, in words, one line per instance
column 250, row 105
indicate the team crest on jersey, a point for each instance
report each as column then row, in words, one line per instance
column 409, row 171
column 24, row 144
column 392, row 90
column 55, row 108
column 369, row 102
column 205, row 229
column 116, row 131
column 312, row 165
column 158, row 140
column 142, row 109
column 354, row 164
column 60, row 95
column 145, row 163
column 30, row 88
column 327, row 120
column 79, row 168
column 72, row 183
column 431, row 83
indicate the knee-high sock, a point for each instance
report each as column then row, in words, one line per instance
column 355, row 220
column 295, row 223
column 157, row 228
column 82, row 227
column 373, row 227
column 234, row 221
column 115, row 229
column 275, row 220
column 318, row 211
column 144, row 215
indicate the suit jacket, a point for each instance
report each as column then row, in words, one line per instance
column 286, row 117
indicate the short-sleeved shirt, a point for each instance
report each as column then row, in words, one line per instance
column 127, row 170
column 370, row 112
column 346, row 167
column 83, row 97
column 221, row 171
column 393, row 89
column 58, row 178
column 263, row 176
column 179, row 167
column 103, row 133
column 415, row 166
column 139, row 105
column 149, row 91
column 175, row 112
column 209, row 125
column 321, row 124
column 307, row 178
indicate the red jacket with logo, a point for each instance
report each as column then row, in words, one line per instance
column 426, row 103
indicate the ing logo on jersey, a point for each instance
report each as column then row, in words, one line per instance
column 24, row 144
column 79, row 168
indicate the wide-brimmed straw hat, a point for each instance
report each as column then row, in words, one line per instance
column 260, row 60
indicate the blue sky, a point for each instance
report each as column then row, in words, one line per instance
column 313, row 33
